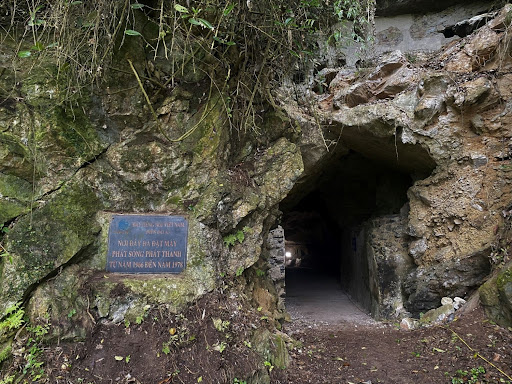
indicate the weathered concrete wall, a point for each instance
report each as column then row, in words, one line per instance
column 355, row 272
column 400, row 7
column 375, row 263
column 389, row 262
column 421, row 32
column 418, row 30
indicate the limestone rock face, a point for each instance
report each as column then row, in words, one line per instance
column 425, row 285
column 68, row 161
column 448, row 125
column 65, row 170
column 391, row 77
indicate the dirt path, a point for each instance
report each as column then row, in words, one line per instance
column 326, row 348
column 338, row 343
column 317, row 299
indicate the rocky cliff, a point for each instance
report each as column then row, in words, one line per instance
column 436, row 130
column 444, row 122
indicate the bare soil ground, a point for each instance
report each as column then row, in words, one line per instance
column 209, row 343
column 196, row 348
column 339, row 343
column 468, row 350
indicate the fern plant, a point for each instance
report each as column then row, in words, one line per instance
column 13, row 318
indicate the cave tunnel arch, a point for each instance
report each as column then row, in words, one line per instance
column 334, row 213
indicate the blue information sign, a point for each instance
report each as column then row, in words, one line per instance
column 147, row 244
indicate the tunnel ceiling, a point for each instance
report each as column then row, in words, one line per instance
column 349, row 190
column 382, row 142
column 361, row 162
column 385, row 152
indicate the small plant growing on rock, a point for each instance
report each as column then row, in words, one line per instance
column 4, row 254
column 7, row 379
column 239, row 236
column 166, row 348
column 260, row 273
column 220, row 347
column 33, row 366
column 140, row 318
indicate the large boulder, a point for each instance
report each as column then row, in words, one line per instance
column 496, row 296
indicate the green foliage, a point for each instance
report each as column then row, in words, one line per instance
column 239, row 381
column 131, row 32
column 13, row 318
column 39, row 330
column 220, row 346
column 230, row 240
column 5, row 352
column 7, row 379
column 260, row 273
column 193, row 16
column 71, row 313
column 360, row 13
column 220, row 325
column 33, row 365
column 239, row 236
column 166, row 348
column 254, row 44
column 472, row 376
column 80, row 36
column 140, row 318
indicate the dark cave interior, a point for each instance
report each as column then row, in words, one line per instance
column 323, row 217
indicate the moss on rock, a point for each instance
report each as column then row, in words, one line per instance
column 72, row 131
column 10, row 209
column 209, row 137
column 271, row 347
column 61, row 302
column 16, row 188
column 5, row 350
column 496, row 296
column 48, row 238
column 15, row 156
column 15, row 197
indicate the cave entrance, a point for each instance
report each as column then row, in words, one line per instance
column 332, row 220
